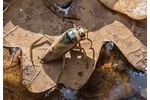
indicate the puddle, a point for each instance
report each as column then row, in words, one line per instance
column 138, row 82
column 62, row 93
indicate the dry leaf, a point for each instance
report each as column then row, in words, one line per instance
column 25, row 21
column 113, row 78
column 136, row 9
column 12, row 83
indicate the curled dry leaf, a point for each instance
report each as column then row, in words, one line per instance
column 131, row 47
column 25, row 21
column 12, row 83
column 136, row 9
column 113, row 78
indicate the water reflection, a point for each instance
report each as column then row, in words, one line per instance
column 62, row 93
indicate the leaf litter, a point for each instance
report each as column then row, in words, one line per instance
column 23, row 24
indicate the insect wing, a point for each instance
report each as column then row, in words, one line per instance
column 61, row 49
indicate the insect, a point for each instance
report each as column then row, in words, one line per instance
column 62, row 11
column 68, row 40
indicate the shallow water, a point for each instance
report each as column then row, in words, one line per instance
column 113, row 78
column 138, row 82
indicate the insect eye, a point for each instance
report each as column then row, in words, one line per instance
column 78, row 27
column 82, row 34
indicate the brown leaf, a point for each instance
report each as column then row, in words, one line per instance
column 113, row 78
column 26, row 21
column 131, row 47
column 136, row 9
column 12, row 80
column 7, row 3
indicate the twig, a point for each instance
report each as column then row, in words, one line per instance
column 9, row 5
column 10, row 67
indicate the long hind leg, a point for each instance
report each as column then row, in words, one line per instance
column 91, row 46
column 85, row 56
column 32, row 45
column 62, row 70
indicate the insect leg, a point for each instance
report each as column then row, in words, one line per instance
column 91, row 47
column 32, row 45
column 89, row 41
column 85, row 56
column 74, row 25
column 49, row 38
column 63, row 67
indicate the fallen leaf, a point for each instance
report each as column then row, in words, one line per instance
column 26, row 21
column 136, row 9
column 113, row 78
column 12, row 80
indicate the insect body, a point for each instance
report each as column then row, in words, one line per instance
column 64, row 43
